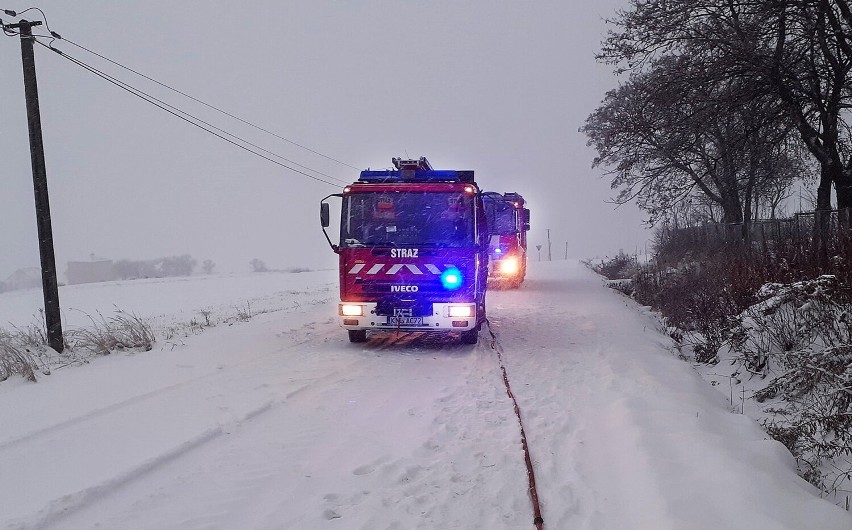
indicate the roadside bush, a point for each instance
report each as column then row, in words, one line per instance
column 800, row 335
column 814, row 420
column 620, row 267
column 702, row 302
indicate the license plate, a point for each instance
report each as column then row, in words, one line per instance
column 405, row 321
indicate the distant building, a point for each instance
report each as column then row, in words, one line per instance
column 98, row 270
column 26, row 278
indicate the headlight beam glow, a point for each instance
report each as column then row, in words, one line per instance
column 509, row 266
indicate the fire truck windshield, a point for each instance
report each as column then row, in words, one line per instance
column 501, row 218
column 407, row 219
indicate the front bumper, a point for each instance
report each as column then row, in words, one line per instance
column 445, row 317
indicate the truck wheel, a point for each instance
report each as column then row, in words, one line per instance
column 470, row 337
column 357, row 335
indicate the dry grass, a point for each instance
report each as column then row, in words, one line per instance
column 16, row 359
column 119, row 332
column 24, row 350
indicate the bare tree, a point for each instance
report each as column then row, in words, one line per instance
column 800, row 50
column 673, row 134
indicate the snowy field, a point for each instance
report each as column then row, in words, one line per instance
column 174, row 300
column 280, row 422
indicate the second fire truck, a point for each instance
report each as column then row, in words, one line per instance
column 508, row 223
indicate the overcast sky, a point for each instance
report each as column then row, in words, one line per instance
column 497, row 87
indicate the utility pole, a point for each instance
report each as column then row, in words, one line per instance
column 538, row 247
column 549, row 257
column 50, row 286
column 566, row 250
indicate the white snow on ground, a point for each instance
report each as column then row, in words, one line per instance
column 176, row 299
column 280, row 422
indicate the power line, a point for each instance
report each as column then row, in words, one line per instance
column 193, row 98
column 12, row 13
column 55, row 35
column 43, row 16
column 175, row 110
column 189, row 118
column 217, row 109
column 185, row 116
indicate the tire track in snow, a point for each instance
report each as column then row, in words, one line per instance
column 71, row 503
column 222, row 371
column 97, row 413
column 414, row 342
column 440, row 481
column 223, row 380
column 297, row 441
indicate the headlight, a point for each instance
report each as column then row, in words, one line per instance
column 349, row 310
column 457, row 311
column 509, row 266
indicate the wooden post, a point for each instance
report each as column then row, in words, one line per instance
column 50, row 285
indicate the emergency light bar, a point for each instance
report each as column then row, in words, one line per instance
column 415, row 175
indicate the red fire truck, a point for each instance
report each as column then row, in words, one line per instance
column 508, row 223
column 413, row 251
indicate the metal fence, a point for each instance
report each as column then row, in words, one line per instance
column 805, row 232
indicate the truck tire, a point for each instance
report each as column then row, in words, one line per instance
column 470, row 337
column 357, row 335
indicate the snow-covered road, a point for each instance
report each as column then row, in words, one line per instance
column 280, row 422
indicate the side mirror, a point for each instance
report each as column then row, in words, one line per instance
column 526, row 219
column 325, row 220
column 324, row 215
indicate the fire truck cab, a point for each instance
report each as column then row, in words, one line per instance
column 508, row 223
column 413, row 251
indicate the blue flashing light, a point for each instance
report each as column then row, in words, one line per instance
column 497, row 251
column 410, row 175
column 451, row 279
